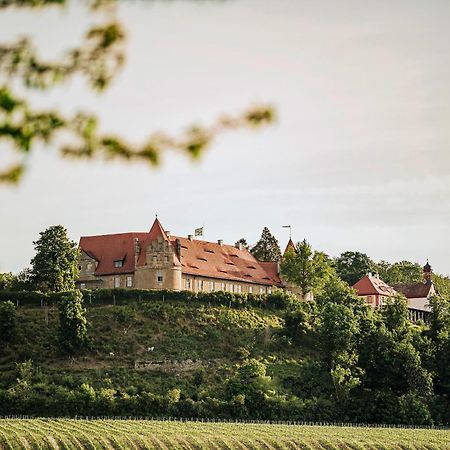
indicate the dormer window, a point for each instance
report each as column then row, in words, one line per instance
column 118, row 263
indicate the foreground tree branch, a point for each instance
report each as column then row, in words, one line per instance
column 98, row 58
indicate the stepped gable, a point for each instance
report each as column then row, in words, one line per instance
column 226, row 262
column 155, row 231
column 370, row 285
column 413, row 290
column 106, row 249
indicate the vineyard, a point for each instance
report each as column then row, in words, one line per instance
column 68, row 434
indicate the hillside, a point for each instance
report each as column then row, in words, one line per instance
column 331, row 361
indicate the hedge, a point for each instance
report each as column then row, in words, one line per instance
column 276, row 300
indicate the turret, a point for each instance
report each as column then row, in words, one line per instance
column 427, row 272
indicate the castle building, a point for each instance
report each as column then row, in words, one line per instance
column 158, row 260
column 375, row 292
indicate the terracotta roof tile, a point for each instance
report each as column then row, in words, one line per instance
column 224, row 262
column 197, row 257
column 413, row 290
column 370, row 285
column 109, row 248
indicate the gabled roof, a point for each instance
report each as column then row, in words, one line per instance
column 415, row 290
column 197, row 257
column 213, row 260
column 370, row 285
column 109, row 248
column 289, row 245
column 155, row 231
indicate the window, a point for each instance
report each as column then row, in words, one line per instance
column 155, row 259
column 240, row 289
column 187, row 283
column 159, row 277
column 200, row 285
column 166, row 259
column 117, row 282
column 118, row 263
column 261, row 290
column 250, row 289
column 269, row 290
column 129, row 281
column 222, row 287
column 80, row 268
column 89, row 266
column 83, row 286
column 212, row 286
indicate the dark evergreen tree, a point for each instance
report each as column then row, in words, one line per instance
column 267, row 248
column 54, row 267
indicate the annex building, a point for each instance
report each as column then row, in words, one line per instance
column 375, row 292
column 158, row 260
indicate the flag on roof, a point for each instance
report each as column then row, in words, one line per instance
column 198, row 231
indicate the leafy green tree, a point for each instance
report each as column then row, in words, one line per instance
column 8, row 321
column 267, row 248
column 72, row 322
column 403, row 272
column 306, row 269
column 352, row 266
column 98, row 58
column 6, row 280
column 442, row 284
column 338, row 330
column 55, row 265
column 395, row 314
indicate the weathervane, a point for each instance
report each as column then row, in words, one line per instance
column 290, row 230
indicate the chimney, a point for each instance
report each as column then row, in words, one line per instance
column 220, row 241
column 190, row 237
column 239, row 245
column 137, row 250
column 168, row 234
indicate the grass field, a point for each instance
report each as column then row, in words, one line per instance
column 62, row 434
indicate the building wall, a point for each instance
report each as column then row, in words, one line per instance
column 197, row 283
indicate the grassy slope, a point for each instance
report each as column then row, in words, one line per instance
column 52, row 434
column 213, row 336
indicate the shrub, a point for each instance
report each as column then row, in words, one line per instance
column 8, row 320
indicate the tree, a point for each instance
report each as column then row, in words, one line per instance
column 72, row 322
column 54, row 267
column 306, row 269
column 8, row 321
column 267, row 248
column 6, row 280
column 352, row 266
column 403, row 272
column 243, row 242
column 98, row 58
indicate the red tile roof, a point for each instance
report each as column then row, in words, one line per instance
column 370, row 285
column 289, row 245
column 202, row 258
column 108, row 248
column 226, row 262
column 413, row 290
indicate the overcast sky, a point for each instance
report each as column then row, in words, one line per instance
column 358, row 159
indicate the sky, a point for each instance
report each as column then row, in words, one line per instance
column 358, row 158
